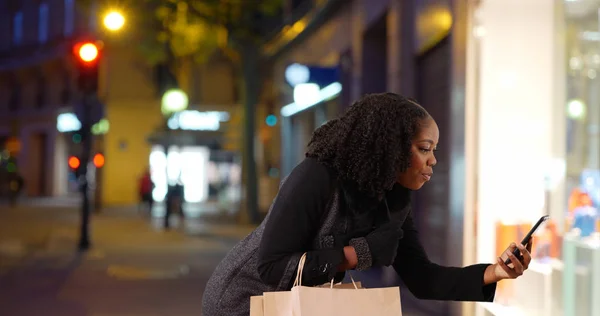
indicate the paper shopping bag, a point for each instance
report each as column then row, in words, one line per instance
column 256, row 306
column 310, row 301
column 280, row 303
column 348, row 286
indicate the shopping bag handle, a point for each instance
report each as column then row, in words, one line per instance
column 351, row 279
column 298, row 280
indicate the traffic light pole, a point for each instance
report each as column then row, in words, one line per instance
column 87, row 57
column 86, row 142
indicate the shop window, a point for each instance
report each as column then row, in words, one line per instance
column 43, row 22
column 69, row 22
column 17, row 28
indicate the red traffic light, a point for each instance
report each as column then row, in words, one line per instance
column 98, row 160
column 74, row 162
column 86, row 52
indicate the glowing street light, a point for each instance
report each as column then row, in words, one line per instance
column 114, row 21
column 174, row 100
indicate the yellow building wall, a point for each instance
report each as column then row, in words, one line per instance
column 133, row 111
column 126, row 149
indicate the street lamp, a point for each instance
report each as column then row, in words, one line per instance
column 173, row 101
column 114, row 21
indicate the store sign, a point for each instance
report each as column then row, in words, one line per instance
column 306, row 93
column 198, row 121
column 67, row 122
column 329, row 92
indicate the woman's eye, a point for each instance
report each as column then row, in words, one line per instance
column 425, row 150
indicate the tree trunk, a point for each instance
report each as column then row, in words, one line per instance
column 252, row 82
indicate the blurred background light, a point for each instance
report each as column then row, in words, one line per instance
column 576, row 109
column 296, row 74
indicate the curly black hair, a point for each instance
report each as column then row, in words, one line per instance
column 370, row 144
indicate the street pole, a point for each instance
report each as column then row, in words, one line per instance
column 86, row 142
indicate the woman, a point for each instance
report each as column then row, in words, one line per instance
column 347, row 205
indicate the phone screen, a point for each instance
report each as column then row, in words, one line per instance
column 526, row 239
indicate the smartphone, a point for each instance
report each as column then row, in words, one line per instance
column 525, row 240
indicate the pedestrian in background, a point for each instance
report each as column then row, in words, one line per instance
column 146, row 186
column 348, row 207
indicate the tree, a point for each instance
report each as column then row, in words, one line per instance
column 170, row 30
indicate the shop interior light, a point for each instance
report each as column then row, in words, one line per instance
column 576, row 109
column 185, row 165
column 329, row 92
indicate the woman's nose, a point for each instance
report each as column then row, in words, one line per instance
column 432, row 161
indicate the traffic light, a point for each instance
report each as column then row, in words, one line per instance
column 74, row 162
column 98, row 160
column 87, row 56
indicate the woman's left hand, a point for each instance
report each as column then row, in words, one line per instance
column 500, row 270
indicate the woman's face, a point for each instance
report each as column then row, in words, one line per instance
column 422, row 156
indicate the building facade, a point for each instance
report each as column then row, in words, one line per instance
column 518, row 116
column 415, row 48
column 37, row 85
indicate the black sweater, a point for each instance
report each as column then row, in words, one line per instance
column 296, row 216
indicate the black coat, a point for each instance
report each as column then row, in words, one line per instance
column 310, row 215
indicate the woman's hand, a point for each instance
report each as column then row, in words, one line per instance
column 500, row 270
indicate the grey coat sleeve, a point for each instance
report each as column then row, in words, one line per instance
column 294, row 220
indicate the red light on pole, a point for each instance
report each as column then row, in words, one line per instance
column 87, row 55
column 74, row 162
column 98, row 160
column 88, row 52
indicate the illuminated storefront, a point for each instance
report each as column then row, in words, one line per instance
column 314, row 90
column 195, row 160
column 533, row 144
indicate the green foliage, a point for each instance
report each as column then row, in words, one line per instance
column 166, row 30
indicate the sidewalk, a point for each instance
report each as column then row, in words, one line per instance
column 134, row 268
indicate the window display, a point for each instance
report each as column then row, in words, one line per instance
column 537, row 97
